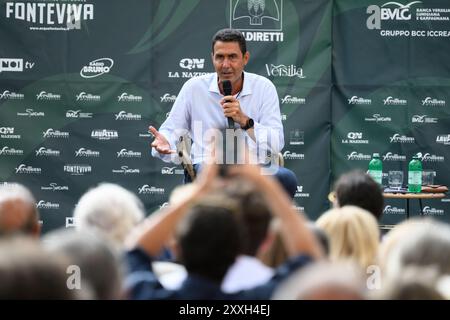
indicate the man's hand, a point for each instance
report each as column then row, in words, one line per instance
column 232, row 109
column 160, row 143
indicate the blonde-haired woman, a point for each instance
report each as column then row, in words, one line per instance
column 353, row 234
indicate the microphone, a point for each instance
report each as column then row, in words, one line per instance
column 227, row 88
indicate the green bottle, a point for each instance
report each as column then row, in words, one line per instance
column 415, row 175
column 376, row 168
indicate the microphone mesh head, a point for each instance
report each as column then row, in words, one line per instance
column 227, row 88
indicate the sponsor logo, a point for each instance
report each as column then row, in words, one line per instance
column 443, row 138
column 191, row 64
column 355, row 138
column 430, row 211
column 359, row 101
column 300, row 194
column 77, row 114
column 82, row 152
column 423, row 119
column 146, row 189
column 44, row 152
column 50, row 16
column 432, row 158
column 8, row 95
column 125, row 97
column 124, row 153
column 397, row 138
column 378, row 118
column 288, row 99
column 125, row 170
column 70, row 222
column 103, row 134
column 47, row 205
column 293, row 156
column 283, row 117
column 428, row 101
column 164, row 205
column 358, row 156
column 54, row 187
column 388, row 11
column 123, row 115
column 50, row 133
column 48, row 96
column 171, row 170
column 285, row 71
column 393, row 210
column 22, row 168
column 14, row 65
column 390, row 101
column 7, row 151
column 167, row 97
column 88, row 97
column 258, row 20
column 97, row 68
column 8, row 133
column 393, row 157
column 31, row 113
column 297, row 137
column 77, row 170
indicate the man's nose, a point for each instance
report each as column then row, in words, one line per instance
column 226, row 63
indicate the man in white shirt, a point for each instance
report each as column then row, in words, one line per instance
column 201, row 109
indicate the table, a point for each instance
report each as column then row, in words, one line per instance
column 419, row 196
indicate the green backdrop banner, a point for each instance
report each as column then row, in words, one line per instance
column 81, row 80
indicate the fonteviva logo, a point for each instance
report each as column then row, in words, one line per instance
column 97, row 68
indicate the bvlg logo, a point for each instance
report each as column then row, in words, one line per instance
column 389, row 11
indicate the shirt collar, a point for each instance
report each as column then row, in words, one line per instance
column 246, row 88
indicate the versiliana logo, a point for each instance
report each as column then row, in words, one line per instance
column 427, row 157
column 44, row 152
column 24, row 169
column 288, row 99
column 285, row 71
column 123, row 115
column 50, row 133
column 397, row 138
column 430, row 211
column 126, row 97
column 83, row 152
column 293, row 155
column 97, row 68
column 8, row 95
column 48, row 96
column 146, row 189
column 428, row 101
column 358, row 156
column 47, row 205
column 393, row 210
column 359, row 101
column 124, row 153
column 88, row 97
column 393, row 157
column 7, row 151
column 167, row 97
column 390, row 101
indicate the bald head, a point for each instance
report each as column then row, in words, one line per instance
column 18, row 213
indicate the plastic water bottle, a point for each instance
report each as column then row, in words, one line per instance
column 376, row 168
column 415, row 174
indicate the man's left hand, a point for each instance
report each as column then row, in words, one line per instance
column 232, row 109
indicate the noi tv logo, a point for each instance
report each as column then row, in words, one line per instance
column 389, row 11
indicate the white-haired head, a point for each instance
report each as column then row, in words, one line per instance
column 109, row 209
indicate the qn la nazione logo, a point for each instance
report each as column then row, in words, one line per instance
column 97, row 68
column 258, row 20
column 55, row 15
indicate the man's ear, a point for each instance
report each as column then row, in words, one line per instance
column 246, row 57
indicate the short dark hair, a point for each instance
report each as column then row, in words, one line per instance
column 230, row 35
column 359, row 189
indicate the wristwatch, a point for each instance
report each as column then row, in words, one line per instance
column 250, row 123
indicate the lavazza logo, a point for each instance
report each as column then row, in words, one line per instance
column 258, row 20
column 14, row 65
column 124, row 153
column 430, row 211
column 168, row 98
column 87, row 97
column 427, row 157
column 355, row 138
column 8, row 133
column 104, row 134
column 126, row 170
column 7, row 151
column 404, row 13
column 393, row 157
column 288, row 99
column 423, row 118
column 31, row 113
column 284, row 71
column 171, row 171
column 47, row 205
column 48, row 96
column 97, row 68
column 393, row 210
column 24, row 169
column 390, row 101
column 397, row 138
column 359, row 101
column 44, row 152
column 54, row 187
column 9, row 95
column 87, row 153
column 123, row 115
column 189, row 64
column 78, row 114
column 146, row 189
column 50, row 15
column 50, row 133
column 378, row 118
column 126, row 97
column 443, row 139
column 77, row 170
column 433, row 102
column 300, row 194
column 293, row 156
column 358, row 156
